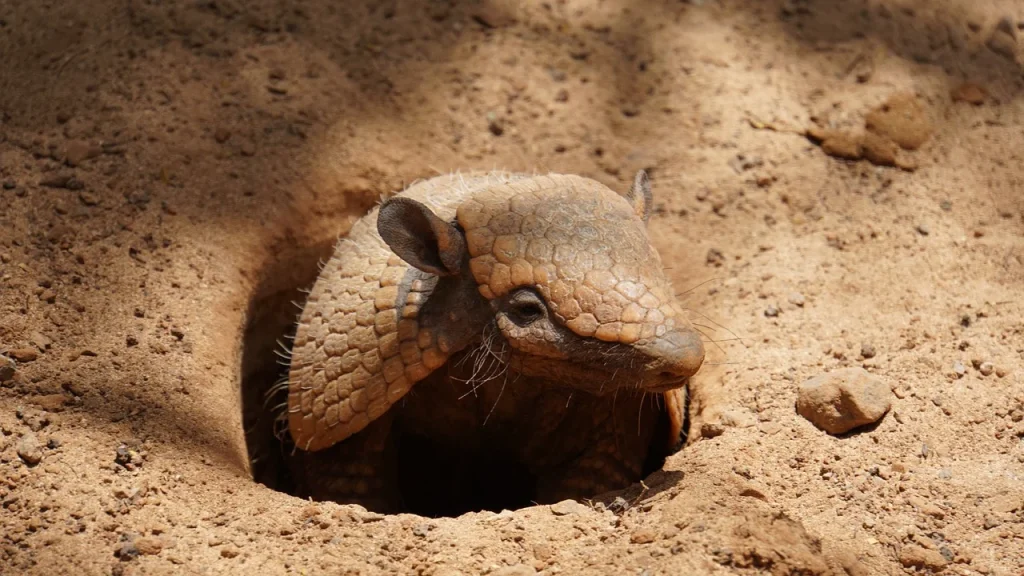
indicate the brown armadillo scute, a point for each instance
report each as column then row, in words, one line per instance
column 357, row 348
column 581, row 245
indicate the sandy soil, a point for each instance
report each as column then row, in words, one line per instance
column 165, row 166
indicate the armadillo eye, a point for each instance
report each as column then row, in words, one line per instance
column 525, row 307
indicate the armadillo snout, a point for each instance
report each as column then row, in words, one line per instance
column 676, row 355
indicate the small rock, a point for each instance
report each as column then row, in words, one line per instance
column 902, row 119
column 970, row 93
column 40, row 340
column 959, row 369
column 543, row 552
column 797, row 299
column 618, row 505
column 127, row 551
column 7, row 368
column 493, row 16
column 711, row 430
column 149, row 545
column 643, row 536
column 23, row 354
column 65, row 181
column 29, row 449
column 1002, row 371
column 247, row 147
column 715, row 257
column 230, row 551
column 867, row 350
column 421, row 530
column 986, row 368
column 771, row 312
column 50, row 402
column 917, row 557
column 923, row 229
column 89, row 199
column 1003, row 40
column 841, row 145
column 843, row 399
column 221, row 135
column 567, row 507
column 77, row 152
column 879, row 151
column 496, row 124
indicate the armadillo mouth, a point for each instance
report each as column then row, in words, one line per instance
column 674, row 383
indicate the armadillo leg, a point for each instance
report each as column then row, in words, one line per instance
column 362, row 470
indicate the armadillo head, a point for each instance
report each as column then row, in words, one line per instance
column 563, row 268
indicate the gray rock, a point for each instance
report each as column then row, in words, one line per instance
column 843, row 399
column 29, row 449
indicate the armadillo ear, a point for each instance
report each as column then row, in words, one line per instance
column 640, row 196
column 419, row 237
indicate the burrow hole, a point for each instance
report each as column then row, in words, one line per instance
column 498, row 482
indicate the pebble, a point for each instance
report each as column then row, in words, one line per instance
column 1003, row 40
column 878, row 150
column 149, row 545
column 843, row 399
column 567, row 507
column 771, row 311
column 496, row 124
column 797, row 299
column 7, row 368
column 923, row 229
column 917, row 557
column 23, row 354
column 29, row 449
column 1002, row 371
column 643, row 536
column 711, row 430
column 867, row 350
column 127, row 551
column 986, row 368
column 65, row 181
column 959, row 369
column 247, row 147
column 970, row 93
column 841, row 145
column 77, row 152
column 229, row 551
column 543, row 552
column 902, row 119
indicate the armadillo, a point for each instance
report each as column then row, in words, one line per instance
column 508, row 315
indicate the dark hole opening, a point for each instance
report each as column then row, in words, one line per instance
column 434, row 480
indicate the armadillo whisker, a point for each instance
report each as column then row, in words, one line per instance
column 692, row 288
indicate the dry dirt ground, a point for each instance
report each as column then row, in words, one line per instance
column 166, row 165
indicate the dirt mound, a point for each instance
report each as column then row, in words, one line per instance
column 168, row 167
